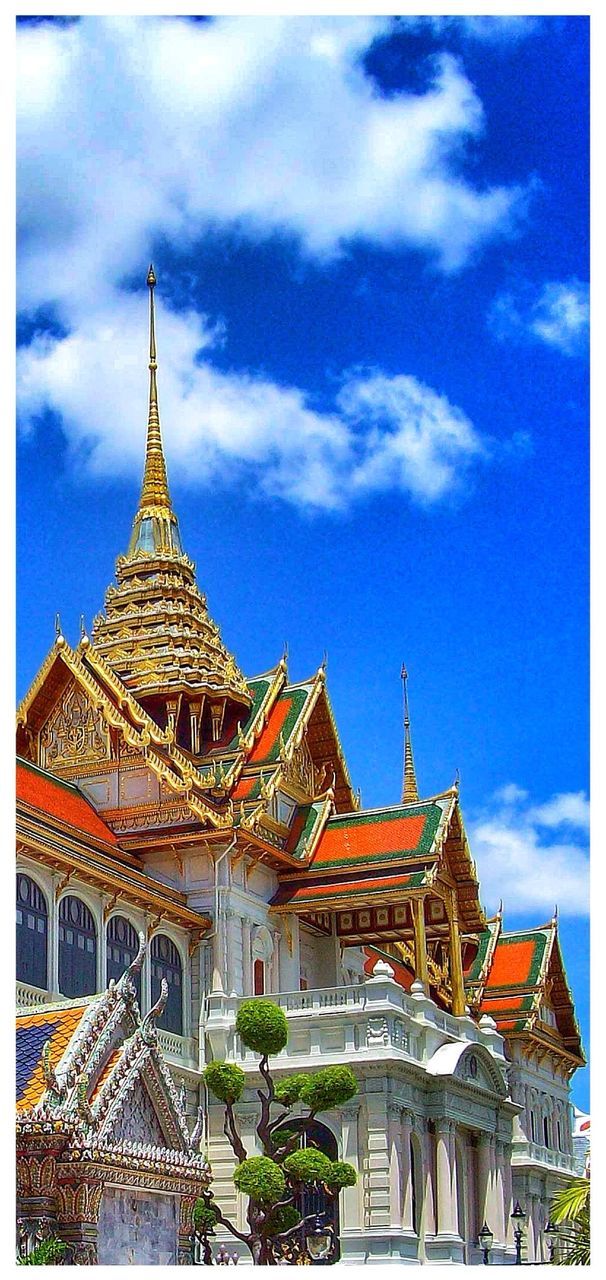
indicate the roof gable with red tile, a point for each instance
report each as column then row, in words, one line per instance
column 61, row 800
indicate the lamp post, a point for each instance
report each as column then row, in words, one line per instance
column 318, row 1239
column 551, row 1233
column 518, row 1217
column 485, row 1239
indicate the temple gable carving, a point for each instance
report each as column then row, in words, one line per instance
column 75, row 732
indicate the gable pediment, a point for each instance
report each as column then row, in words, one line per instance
column 75, row 732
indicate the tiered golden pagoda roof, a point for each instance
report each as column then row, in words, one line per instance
column 156, row 633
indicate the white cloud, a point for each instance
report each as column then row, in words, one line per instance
column 557, row 315
column 525, row 853
column 134, row 130
column 384, row 433
column 129, row 128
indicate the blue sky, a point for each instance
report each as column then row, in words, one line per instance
column 371, row 243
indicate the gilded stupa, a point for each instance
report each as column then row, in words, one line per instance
column 156, row 633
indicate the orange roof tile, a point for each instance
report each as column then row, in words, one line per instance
column 33, row 1030
column 513, row 963
column 358, row 839
column 60, row 800
column 268, row 738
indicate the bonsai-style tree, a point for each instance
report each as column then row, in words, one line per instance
column 276, row 1180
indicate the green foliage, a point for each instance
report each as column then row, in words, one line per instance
column 570, row 1208
column 289, row 1090
column 281, row 1219
column 570, row 1201
column 205, row 1216
column 225, row 1080
column 308, row 1166
column 342, row 1175
column 48, row 1254
column 261, row 1179
column 262, row 1026
column 330, row 1087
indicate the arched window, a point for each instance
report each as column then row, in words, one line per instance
column 313, row 1199
column 122, row 947
column 166, row 963
column 533, row 1127
column 77, row 949
column 32, row 933
column 259, row 977
column 546, row 1131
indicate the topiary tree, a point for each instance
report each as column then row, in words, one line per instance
column 276, row 1180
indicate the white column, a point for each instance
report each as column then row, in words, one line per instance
column 407, row 1222
column 275, row 962
column 246, row 957
column 234, row 972
column 444, row 1178
column 219, row 954
column 53, row 940
column 484, row 1180
column 377, row 1177
column 427, row 1214
column 500, row 1193
column 394, row 1131
column 351, row 1219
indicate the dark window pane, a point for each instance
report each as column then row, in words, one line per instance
column 32, row 932
column 167, row 965
column 77, row 949
column 120, row 930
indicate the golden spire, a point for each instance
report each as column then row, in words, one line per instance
column 409, row 779
column 155, row 529
column 155, row 484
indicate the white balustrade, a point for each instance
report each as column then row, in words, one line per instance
column 177, row 1047
column 29, row 997
column 373, row 1018
column 534, row 1153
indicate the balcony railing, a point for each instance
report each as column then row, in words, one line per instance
column 533, row 1153
column 29, row 997
column 181, row 1050
column 375, row 1018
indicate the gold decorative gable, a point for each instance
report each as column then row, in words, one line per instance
column 75, row 732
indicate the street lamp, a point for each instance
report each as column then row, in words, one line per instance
column 485, row 1239
column 518, row 1217
column 318, row 1239
column 551, row 1233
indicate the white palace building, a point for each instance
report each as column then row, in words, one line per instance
column 162, row 793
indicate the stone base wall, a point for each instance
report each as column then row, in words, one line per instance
column 137, row 1227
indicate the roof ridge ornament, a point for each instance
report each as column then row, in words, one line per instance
column 410, row 791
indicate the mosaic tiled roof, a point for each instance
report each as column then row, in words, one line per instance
column 355, row 891
column 60, row 800
column 282, row 722
column 377, row 836
column 56, row 1023
column 511, row 976
column 402, row 975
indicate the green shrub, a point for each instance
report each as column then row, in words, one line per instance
column 289, row 1090
column 261, row 1179
column 205, row 1216
column 262, row 1026
column 308, row 1166
column 47, row 1254
column 281, row 1219
column 225, row 1080
column 330, row 1087
column 341, row 1175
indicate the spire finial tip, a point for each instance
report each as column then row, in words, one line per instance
column 151, row 276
